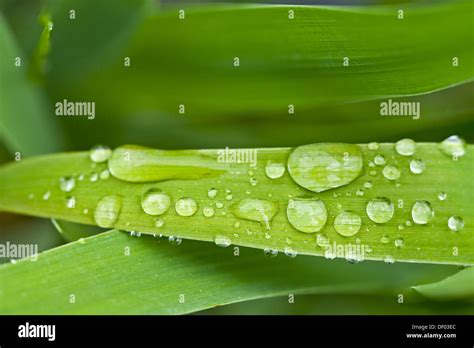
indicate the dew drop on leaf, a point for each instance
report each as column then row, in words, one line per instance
column 155, row 202
column 453, row 146
column 347, row 223
column 100, row 153
column 422, row 212
column 455, row 223
column 186, row 206
column 274, row 170
column 307, row 214
column 405, row 147
column 67, row 183
column 259, row 210
column 380, row 210
column 222, row 241
column 107, row 210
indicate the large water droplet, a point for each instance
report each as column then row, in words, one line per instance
column 67, row 183
column 380, row 210
column 155, row 202
column 320, row 167
column 421, row 212
column 100, row 153
column 455, row 223
column 186, row 206
column 405, row 147
column 347, row 223
column 391, row 172
column 107, row 210
column 417, row 166
column 453, row 146
column 274, row 170
column 307, row 214
column 222, row 241
column 140, row 164
column 258, row 210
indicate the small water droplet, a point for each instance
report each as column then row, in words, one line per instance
column 320, row 167
column 222, row 241
column 388, row 259
column 237, row 224
column 442, row 196
column 290, row 252
column 107, row 210
column 453, row 146
column 81, row 241
column 405, row 147
column 229, row 197
column 186, row 206
column 373, row 173
column 155, row 202
column 159, row 222
column 71, row 202
column 455, row 223
column 373, row 146
column 258, row 210
column 208, row 212
column 380, row 210
column 46, row 195
column 347, row 223
column 173, row 240
column 67, row 183
column 385, row 239
column 212, row 193
column 270, row 253
column 379, row 160
column 253, row 181
column 398, row 242
column 307, row 214
column 322, row 241
column 135, row 234
column 421, row 212
column 105, row 174
column 417, row 166
column 100, row 153
column 368, row 184
column 268, row 236
column 391, row 172
column 219, row 205
column 274, row 170
column 360, row 192
column 94, row 177
column 408, row 223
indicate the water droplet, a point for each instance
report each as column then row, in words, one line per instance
column 391, row 172
column 258, row 210
column 159, row 222
column 453, row 146
column 173, row 240
column 46, row 195
column 105, row 174
column 421, row 212
column 107, row 210
column 100, row 153
column 380, row 210
column 398, row 242
column 222, row 241
column 228, row 197
column 80, row 177
column 186, row 206
column 360, row 192
column 94, row 177
column 368, row 184
column 135, row 234
column 81, row 241
column 290, row 252
column 385, row 239
column 373, row 146
column 212, row 193
column 155, row 202
column 388, row 259
column 268, row 236
column 67, row 183
column 373, row 173
column 379, row 160
column 274, row 170
column 307, row 214
column 270, row 253
column 253, row 181
column 455, row 223
column 347, row 223
column 320, row 167
column 71, row 202
column 322, row 241
column 237, row 224
column 442, row 196
column 405, row 147
column 408, row 223
column 417, row 166
column 219, row 205
column 208, row 212
column 85, row 211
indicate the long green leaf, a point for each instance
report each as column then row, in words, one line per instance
column 25, row 184
column 114, row 273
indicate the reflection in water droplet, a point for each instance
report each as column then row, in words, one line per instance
column 421, row 212
column 320, row 167
column 107, row 210
column 307, row 214
column 380, row 210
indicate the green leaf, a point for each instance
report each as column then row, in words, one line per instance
column 284, row 61
column 27, row 124
column 459, row 286
column 114, row 273
column 25, row 184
